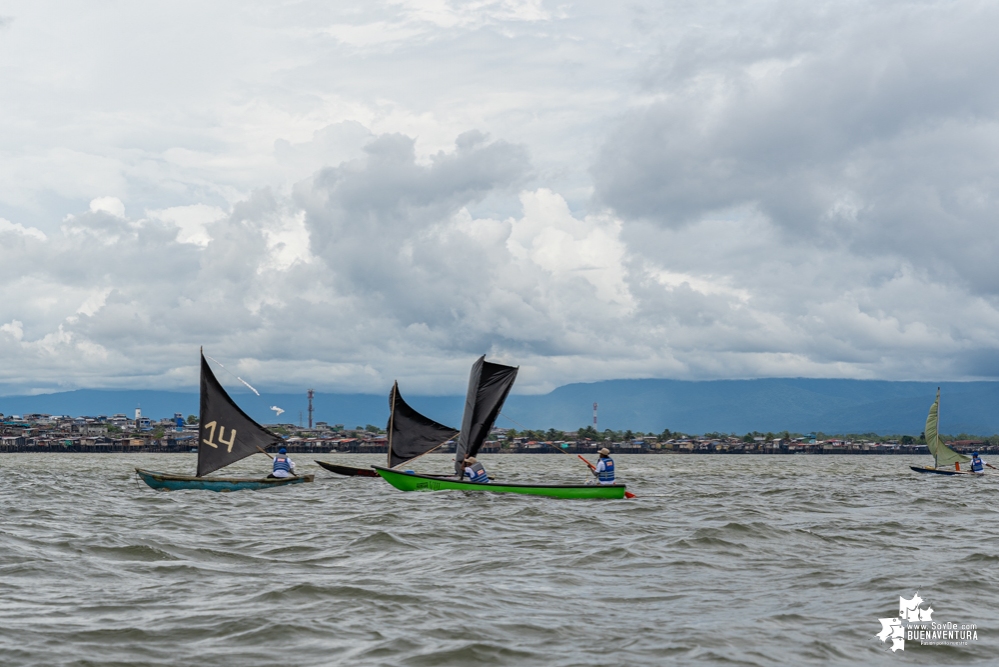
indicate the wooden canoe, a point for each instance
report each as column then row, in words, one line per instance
column 348, row 471
column 170, row 482
column 408, row 481
column 942, row 471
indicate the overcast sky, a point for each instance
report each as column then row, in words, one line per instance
column 337, row 195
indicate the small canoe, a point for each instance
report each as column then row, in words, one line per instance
column 349, row 471
column 170, row 482
column 413, row 482
column 942, row 471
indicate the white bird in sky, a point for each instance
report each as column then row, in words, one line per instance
column 277, row 410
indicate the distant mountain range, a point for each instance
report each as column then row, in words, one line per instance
column 727, row 406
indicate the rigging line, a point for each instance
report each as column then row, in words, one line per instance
column 524, row 428
column 427, row 452
column 276, row 409
column 562, row 451
column 233, row 374
column 248, row 385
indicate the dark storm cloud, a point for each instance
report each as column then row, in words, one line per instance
column 867, row 127
column 376, row 222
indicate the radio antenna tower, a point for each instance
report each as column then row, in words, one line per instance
column 312, row 392
column 595, row 417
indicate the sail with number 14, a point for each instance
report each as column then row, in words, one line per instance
column 226, row 434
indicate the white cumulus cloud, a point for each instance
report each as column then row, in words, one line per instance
column 342, row 196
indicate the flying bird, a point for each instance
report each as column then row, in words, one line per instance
column 277, row 410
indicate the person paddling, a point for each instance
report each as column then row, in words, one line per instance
column 604, row 470
column 474, row 472
column 978, row 464
column 283, row 465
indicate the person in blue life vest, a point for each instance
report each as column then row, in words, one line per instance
column 283, row 465
column 978, row 464
column 604, row 470
column 474, row 472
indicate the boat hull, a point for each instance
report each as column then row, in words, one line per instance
column 941, row 471
column 348, row 471
column 169, row 482
column 411, row 482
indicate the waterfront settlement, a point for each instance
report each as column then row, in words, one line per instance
column 120, row 433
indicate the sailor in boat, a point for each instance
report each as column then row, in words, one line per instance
column 978, row 464
column 474, row 472
column 283, row 465
column 604, row 470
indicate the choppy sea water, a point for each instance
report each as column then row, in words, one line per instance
column 734, row 560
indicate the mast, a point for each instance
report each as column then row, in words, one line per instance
column 391, row 424
column 311, row 393
column 410, row 434
column 936, row 449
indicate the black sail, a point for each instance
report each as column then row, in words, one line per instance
column 410, row 433
column 225, row 434
column 488, row 386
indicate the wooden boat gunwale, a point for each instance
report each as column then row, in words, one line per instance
column 941, row 471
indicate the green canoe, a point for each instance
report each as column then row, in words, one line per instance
column 412, row 482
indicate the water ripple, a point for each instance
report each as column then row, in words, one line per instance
column 735, row 560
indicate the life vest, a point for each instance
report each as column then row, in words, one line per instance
column 977, row 465
column 606, row 476
column 476, row 473
column 282, row 463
